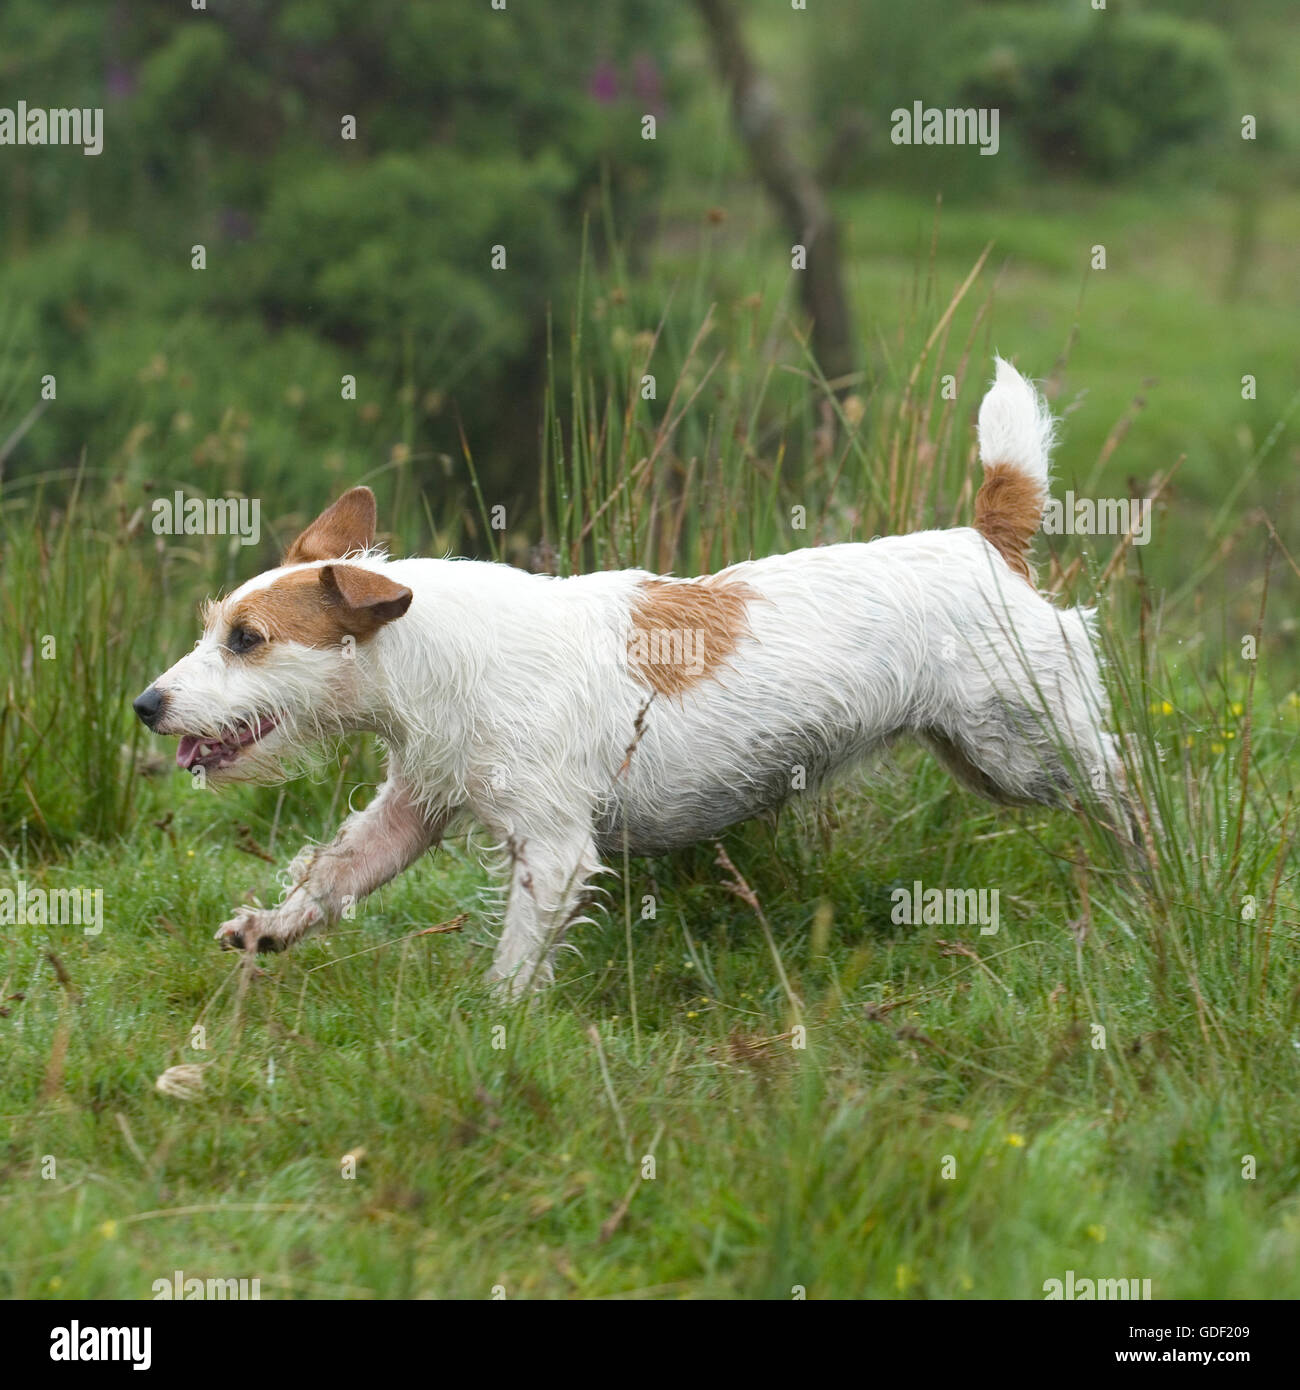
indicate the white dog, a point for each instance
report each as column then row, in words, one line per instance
column 577, row 717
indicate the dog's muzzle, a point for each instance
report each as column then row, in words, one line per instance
column 149, row 706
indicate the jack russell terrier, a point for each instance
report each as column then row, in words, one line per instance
column 580, row 717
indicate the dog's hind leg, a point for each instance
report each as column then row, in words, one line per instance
column 548, row 885
column 1019, row 756
column 992, row 755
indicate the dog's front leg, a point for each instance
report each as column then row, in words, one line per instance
column 548, row 882
column 373, row 846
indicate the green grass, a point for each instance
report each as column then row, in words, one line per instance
column 507, row 1158
column 950, row 1127
column 1159, row 321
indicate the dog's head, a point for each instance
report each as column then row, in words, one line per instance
column 281, row 663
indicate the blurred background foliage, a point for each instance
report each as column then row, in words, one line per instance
column 1089, row 93
column 476, row 128
column 326, row 255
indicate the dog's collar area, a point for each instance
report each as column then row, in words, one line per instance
column 196, row 751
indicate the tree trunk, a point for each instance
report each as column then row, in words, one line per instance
column 792, row 187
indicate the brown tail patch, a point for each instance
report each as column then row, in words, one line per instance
column 683, row 630
column 1008, row 513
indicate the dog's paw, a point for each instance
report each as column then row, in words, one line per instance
column 251, row 929
column 522, row 981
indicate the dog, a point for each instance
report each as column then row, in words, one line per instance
column 580, row 718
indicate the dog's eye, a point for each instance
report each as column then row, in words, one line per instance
column 243, row 639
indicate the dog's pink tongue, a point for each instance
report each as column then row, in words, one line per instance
column 185, row 753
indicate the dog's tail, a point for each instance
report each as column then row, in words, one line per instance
column 1016, row 432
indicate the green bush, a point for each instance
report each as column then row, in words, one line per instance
column 1099, row 93
column 396, row 254
column 473, row 128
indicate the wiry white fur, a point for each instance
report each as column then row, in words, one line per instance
column 508, row 697
column 1015, row 425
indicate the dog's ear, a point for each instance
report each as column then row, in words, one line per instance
column 347, row 526
column 362, row 601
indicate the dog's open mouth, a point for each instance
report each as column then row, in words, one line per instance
column 195, row 751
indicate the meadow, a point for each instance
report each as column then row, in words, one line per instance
column 769, row 1084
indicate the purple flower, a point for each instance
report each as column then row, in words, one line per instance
column 119, row 81
column 603, row 83
column 235, row 225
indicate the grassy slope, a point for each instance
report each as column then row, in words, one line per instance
column 1158, row 313
column 775, row 1166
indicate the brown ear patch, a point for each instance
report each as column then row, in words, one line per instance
column 341, row 529
column 1008, row 513
column 683, row 630
column 365, row 599
column 319, row 607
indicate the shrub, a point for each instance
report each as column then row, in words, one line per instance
column 225, row 129
column 1101, row 93
column 1105, row 94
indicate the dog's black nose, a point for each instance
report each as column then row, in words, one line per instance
column 149, row 705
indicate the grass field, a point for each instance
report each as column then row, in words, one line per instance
column 951, row 1127
column 747, row 1093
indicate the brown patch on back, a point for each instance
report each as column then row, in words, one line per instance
column 341, row 529
column 319, row 607
column 683, row 630
column 1008, row 513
